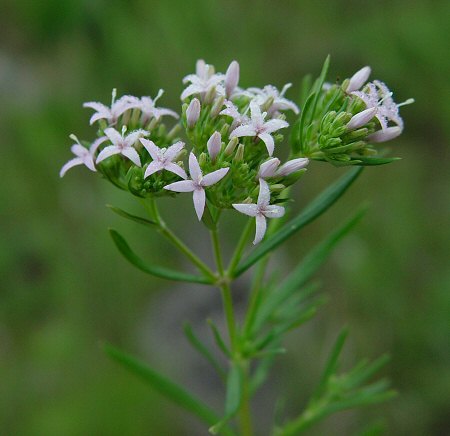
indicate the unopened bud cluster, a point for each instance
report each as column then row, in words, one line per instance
column 222, row 146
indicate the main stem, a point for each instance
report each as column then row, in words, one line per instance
column 245, row 417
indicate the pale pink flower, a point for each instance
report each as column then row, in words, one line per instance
column 149, row 110
column 257, row 127
column 193, row 112
column 280, row 103
column 122, row 145
column 163, row 158
column 261, row 210
column 272, row 168
column 202, row 81
column 232, row 111
column 358, row 79
column 361, row 118
column 197, row 184
column 214, row 145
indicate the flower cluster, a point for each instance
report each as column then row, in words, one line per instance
column 230, row 137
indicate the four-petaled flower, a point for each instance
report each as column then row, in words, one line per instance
column 378, row 96
column 83, row 155
column 148, row 109
column 233, row 112
column 112, row 114
column 261, row 210
column 202, row 81
column 197, row 184
column 163, row 158
column 279, row 102
column 259, row 128
column 122, row 145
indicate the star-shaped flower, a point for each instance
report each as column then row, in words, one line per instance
column 261, row 210
column 378, row 96
column 202, row 81
column 112, row 114
column 232, row 111
column 149, row 110
column 272, row 168
column 280, row 103
column 197, row 184
column 83, row 155
column 256, row 126
column 122, row 145
column 163, row 158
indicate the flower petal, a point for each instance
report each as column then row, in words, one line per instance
column 274, row 125
column 214, row 177
column 150, row 147
column 255, row 111
column 154, row 167
column 245, row 130
column 247, row 209
column 194, row 168
column 199, row 202
column 176, row 169
column 264, row 194
column 268, row 140
column 132, row 154
column 261, row 226
column 173, row 150
column 191, row 90
column 131, row 139
column 182, row 186
column 273, row 211
column 107, row 152
column 114, row 136
column 70, row 164
column 94, row 146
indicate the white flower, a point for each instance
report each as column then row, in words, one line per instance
column 83, row 155
column 261, row 210
column 271, row 168
column 112, row 114
column 358, row 79
column 148, row 109
column 202, row 81
column 193, row 112
column 233, row 112
column 259, row 128
column 377, row 95
column 163, row 158
column 197, row 184
column 122, row 145
column 280, row 103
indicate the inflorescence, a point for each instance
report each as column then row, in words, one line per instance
column 230, row 137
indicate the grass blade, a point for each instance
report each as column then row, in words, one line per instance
column 137, row 219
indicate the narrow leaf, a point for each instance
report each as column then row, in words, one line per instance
column 164, row 386
column 314, row 209
column 318, row 85
column 368, row 161
column 233, row 398
column 218, row 338
column 305, row 270
column 202, row 349
column 157, row 271
column 137, row 219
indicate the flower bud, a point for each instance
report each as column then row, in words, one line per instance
column 268, row 168
column 231, row 146
column 202, row 159
column 361, row 119
column 231, row 78
column 385, row 134
column 292, row 166
column 218, row 105
column 214, row 144
column 192, row 113
column 358, row 79
column 239, row 156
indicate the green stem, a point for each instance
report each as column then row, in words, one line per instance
column 239, row 249
column 164, row 229
column 245, row 414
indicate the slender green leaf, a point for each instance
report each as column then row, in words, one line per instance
column 164, row 386
column 305, row 270
column 233, row 398
column 318, row 85
column 299, row 126
column 331, row 365
column 361, row 374
column 202, row 349
column 137, row 219
column 314, row 209
column 261, row 372
column 218, row 338
column 369, row 161
column 157, row 271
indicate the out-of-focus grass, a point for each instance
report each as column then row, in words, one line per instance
column 65, row 289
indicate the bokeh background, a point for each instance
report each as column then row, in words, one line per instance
column 64, row 288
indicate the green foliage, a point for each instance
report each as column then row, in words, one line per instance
column 154, row 270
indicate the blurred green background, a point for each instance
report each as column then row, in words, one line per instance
column 65, row 289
